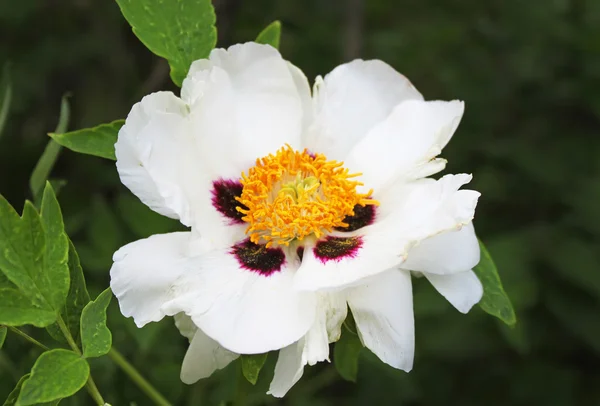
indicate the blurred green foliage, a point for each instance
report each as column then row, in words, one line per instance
column 530, row 76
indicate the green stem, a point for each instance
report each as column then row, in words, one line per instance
column 65, row 330
column 137, row 378
column 90, row 384
column 28, row 338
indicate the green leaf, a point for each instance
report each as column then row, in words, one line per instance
column 16, row 309
column 3, row 330
column 5, row 97
column 56, row 374
column 22, row 247
column 251, row 366
column 57, row 247
column 97, row 141
column 12, row 398
column 95, row 336
column 270, row 35
column 22, row 252
column 38, row 272
column 181, row 31
column 44, row 166
column 495, row 301
column 346, row 353
column 77, row 298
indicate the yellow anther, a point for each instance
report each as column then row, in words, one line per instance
column 292, row 195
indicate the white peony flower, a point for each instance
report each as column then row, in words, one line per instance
column 299, row 206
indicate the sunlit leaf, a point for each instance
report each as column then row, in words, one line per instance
column 95, row 336
column 56, row 374
column 495, row 301
column 271, row 35
column 181, row 31
column 98, row 141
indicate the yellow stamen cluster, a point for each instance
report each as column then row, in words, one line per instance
column 291, row 195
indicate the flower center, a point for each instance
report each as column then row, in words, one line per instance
column 292, row 195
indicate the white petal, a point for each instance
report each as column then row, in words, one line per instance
column 383, row 311
column 423, row 209
column 435, row 207
column 145, row 273
column 445, row 253
column 350, row 101
column 413, row 134
column 288, row 370
column 462, row 289
column 203, row 357
column 245, row 311
column 245, row 104
column 332, row 310
column 379, row 252
column 157, row 156
column 303, row 89
column 185, row 325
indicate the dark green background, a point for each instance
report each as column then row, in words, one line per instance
column 529, row 72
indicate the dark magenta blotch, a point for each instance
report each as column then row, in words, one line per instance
column 300, row 253
column 223, row 199
column 337, row 248
column 258, row 258
column 363, row 216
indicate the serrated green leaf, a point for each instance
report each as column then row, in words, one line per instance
column 495, row 301
column 56, row 374
column 57, row 247
column 3, row 331
column 95, row 336
column 251, row 366
column 98, row 141
column 181, row 31
column 44, row 166
column 22, row 251
column 270, row 35
column 5, row 97
column 77, row 298
column 38, row 272
column 346, row 353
